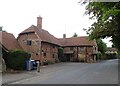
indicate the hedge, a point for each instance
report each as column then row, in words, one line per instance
column 61, row 54
column 111, row 56
column 16, row 59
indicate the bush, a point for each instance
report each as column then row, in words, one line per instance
column 99, row 56
column 50, row 62
column 45, row 62
column 15, row 59
column 118, row 55
column 111, row 56
column 61, row 54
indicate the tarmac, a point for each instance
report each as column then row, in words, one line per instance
column 104, row 72
column 9, row 77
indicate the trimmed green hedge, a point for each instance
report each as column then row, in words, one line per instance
column 15, row 59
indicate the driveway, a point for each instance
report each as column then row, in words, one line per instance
column 105, row 72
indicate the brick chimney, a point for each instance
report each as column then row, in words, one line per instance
column 39, row 22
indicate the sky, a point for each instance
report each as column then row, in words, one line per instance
column 58, row 16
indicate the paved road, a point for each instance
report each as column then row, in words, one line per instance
column 105, row 72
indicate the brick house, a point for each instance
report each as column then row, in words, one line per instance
column 79, row 48
column 40, row 43
column 44, row 46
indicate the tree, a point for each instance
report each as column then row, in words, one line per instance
column 107, row 15
column 61, row 54
column 2, row 29
column 75, row 35
column 102, row 47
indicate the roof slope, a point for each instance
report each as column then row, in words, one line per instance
column 9, row 41
column 43, row 34
column 47, row 37
column 77, row 41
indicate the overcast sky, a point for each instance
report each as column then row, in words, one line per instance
column 59, row 16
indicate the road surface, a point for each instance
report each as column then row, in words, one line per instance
column 105, row 72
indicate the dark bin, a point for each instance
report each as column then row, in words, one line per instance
column 29, row 65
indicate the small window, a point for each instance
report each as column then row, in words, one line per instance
column 29, row 42
column 44, row 54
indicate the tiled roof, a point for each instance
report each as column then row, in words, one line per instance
column 77, row 41
column 47, row 37
column 8, row 41
column 43, row 35
column 111, row 49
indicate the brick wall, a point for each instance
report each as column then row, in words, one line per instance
column 49, row 52
column 80, row 51
column 34, row 48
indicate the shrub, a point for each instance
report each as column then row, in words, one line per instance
column 50, row 62
column 118, row 55
column 61, row 54
column 15, row 59
column 111, row 56
column 45, row 62
column 99, row 55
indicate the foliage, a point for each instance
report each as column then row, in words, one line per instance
column 118, row 54
column 102, row 47
column 107, row 15
column 50, row 62
column 61, row 54
column 75, row 35
column 116, row 41
column 15, row 59
column 111, row 56
column 99, row 55
column 2, row 29
column 45, row 62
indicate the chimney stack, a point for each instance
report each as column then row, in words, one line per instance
column 39, row 22
column 64, row 35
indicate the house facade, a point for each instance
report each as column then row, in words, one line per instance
column 79, row 49
column 44, row 46
column 39, row 43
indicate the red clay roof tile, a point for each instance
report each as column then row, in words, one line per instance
column 47, row 37
column 77, row 41
column 9, row 41
column 43, row 34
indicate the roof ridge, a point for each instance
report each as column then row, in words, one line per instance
column 6, row 32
